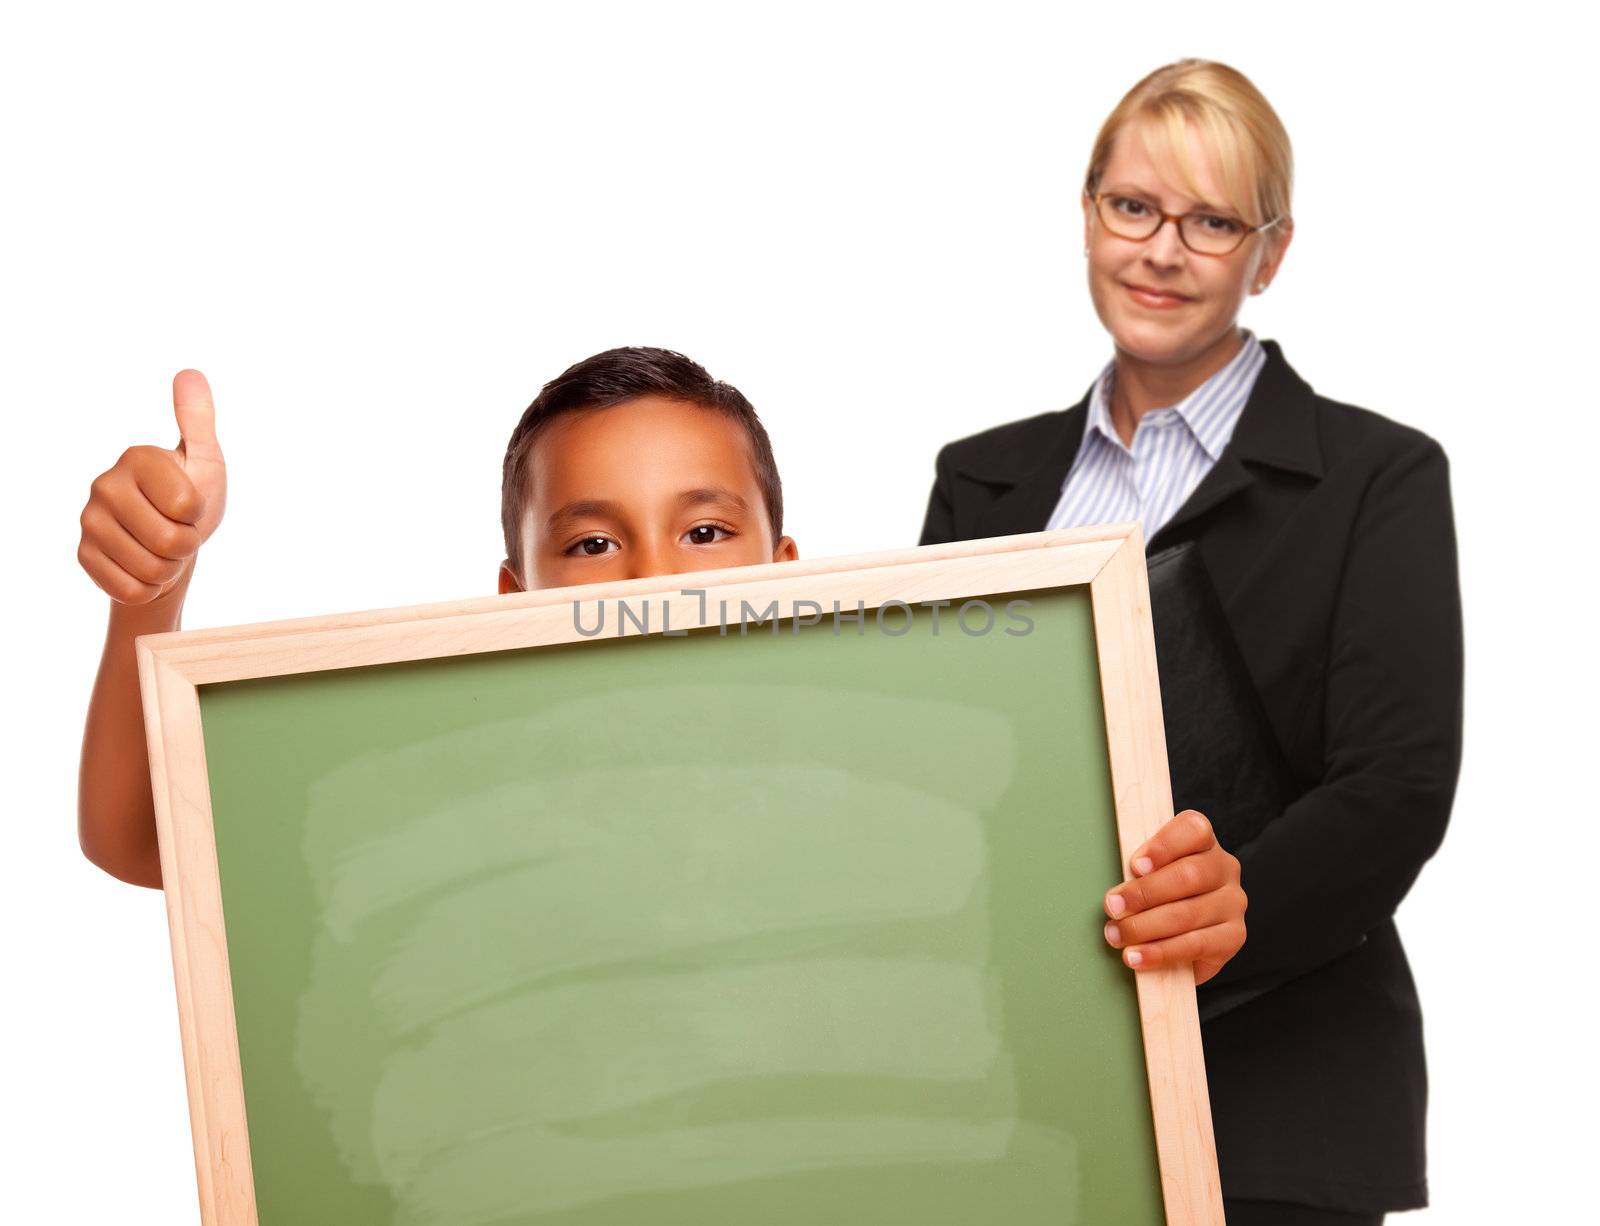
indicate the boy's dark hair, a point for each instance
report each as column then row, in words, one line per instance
column 611, row 378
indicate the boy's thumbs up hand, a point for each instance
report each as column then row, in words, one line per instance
column 150, row 512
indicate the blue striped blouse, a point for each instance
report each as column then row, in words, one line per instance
column 1173, row 448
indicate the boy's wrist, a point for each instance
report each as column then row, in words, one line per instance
column 154, row 616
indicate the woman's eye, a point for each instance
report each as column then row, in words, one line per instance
column 593, row 546
column 1129, row 207
column 1219, row 225
column 706, row 534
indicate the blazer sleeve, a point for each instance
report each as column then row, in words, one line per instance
column 939, row 525
column 1336, row 863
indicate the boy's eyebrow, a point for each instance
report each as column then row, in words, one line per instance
column 595, row 508
column 713, row 494
column 587, row 508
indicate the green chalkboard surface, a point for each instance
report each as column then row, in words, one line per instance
column 798, row 927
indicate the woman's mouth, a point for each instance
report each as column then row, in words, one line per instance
column 1156, row 299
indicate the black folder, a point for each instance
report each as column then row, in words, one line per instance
column 1223, row 756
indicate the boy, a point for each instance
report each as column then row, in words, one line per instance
column 633, row 462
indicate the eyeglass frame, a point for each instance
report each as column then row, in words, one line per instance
column 1177, row 220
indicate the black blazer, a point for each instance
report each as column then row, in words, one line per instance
column 1328, row 533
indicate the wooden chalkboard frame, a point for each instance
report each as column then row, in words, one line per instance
column 1109, row 559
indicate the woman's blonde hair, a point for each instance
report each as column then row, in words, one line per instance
column 1235, row 125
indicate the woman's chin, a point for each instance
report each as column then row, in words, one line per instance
column 1159, row 342
column 1157, row 346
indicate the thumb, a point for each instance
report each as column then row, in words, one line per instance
column 197, row 424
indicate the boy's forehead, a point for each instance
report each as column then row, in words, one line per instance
column 639, row 452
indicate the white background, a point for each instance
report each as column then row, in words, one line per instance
column 380, row 230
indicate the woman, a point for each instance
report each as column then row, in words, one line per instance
column 1327, row 532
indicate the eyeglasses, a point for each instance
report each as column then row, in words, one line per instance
column 1202, row 233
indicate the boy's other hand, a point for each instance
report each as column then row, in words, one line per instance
column 149, row 513
column 1183, row 902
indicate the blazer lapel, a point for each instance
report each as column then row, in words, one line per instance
column 1227, row 477
column 1277, row 428
column 1029, row 481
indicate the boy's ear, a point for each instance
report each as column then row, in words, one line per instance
column 508, row 580
column 785, row 550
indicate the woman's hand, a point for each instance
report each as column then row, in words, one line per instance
column 1183, row 902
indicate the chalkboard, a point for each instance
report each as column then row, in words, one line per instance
column 770, row 898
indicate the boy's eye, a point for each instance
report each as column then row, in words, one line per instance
column 706, row 534
column 592, row 546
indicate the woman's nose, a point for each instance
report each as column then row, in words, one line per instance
column 1165, row 248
